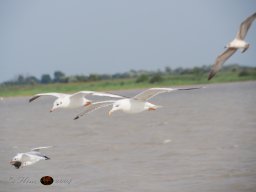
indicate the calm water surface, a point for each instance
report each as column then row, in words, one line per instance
column 201, row 140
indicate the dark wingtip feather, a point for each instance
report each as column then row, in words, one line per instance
column 76, row 117
column 47, row 158
column 33, row 98
column 211, row 75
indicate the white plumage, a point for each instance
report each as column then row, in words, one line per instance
column 72, row 100
column 28, row 158
column 237, row 43
column 134, row 104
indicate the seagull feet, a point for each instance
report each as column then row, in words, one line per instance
column 87, row 103
column 151, row 109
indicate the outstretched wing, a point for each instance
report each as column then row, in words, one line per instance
column 58, row 95
column 36, row 154
column 245, row 26
column 220, row 60
column 94, row 93
column 25, row 157
column 95, row 106
column 39, row 148
column 152, row 92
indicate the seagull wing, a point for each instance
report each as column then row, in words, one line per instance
column 58, row 95
column 37, row 154
column 245, row 26
column 30, row 158
column 220, row 60
column 94, row 106
column 149, row 93
column 25, row 157
column 94, row 93
column 39, row 148
column 152, row 92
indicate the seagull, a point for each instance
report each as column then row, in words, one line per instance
column 72, row 101
column 136, row 104
column 237, row 43
column 28, row 158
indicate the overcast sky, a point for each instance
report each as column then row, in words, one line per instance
column 109, row 36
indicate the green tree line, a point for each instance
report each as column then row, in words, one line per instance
column 140, row 76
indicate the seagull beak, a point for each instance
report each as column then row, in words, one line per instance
column 52, row 109
column 12, row 162
column 88, row 103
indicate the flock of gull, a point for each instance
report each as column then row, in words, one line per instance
column 136, row 104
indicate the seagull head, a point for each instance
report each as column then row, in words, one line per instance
column 227, row 46
column 58, row 103
column 16, row 161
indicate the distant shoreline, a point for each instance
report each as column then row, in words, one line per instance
column 140, row 88
column 25, row 86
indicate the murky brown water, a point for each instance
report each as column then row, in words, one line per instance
column 202, row 140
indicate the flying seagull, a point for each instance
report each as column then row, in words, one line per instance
column 136, row 104
column 28, row 158
column 72, row 101
column 237, row 43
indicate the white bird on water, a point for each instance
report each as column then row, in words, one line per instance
column 136, row 104
column 72, row 101
column 28, row 158
column 237, row 43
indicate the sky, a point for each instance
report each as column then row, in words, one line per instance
column 109, row 36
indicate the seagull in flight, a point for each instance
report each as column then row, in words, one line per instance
column 136, row 104
column 237, row 43
column 28, row 158
column 72, row 100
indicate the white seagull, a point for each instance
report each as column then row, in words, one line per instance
column 28, row 158
column 72, row 101
column 136, row 104
column 237, row 43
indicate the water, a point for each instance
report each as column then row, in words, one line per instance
column 201, row 140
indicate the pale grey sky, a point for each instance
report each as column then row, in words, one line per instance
column 109, row 36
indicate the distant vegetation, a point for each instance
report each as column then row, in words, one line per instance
column 59, row 82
